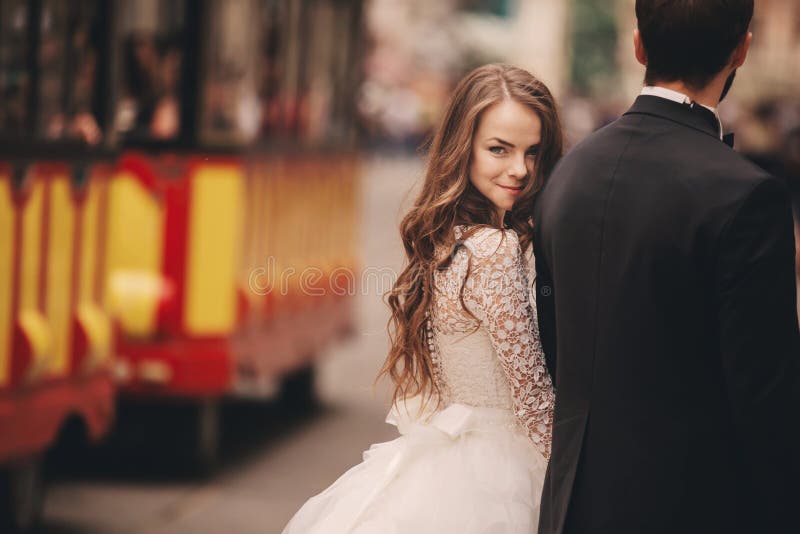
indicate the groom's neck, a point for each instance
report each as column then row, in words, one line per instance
column 708, row 96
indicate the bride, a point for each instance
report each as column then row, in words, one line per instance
column 473, row 401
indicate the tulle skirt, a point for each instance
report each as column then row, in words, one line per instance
column 462, row 470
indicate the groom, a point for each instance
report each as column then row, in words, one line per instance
column 666, row 295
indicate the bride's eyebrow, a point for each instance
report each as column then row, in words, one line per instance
column 511, row 145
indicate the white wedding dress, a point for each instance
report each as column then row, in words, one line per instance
column 476, row 463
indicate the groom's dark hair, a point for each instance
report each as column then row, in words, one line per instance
column 690, row 40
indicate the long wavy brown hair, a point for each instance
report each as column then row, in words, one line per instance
column 449, row 199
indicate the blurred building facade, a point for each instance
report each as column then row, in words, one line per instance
column 420, row 49
column 582, row 49
column 775, row 58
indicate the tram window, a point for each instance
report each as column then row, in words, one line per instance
column 52, row 70
column 331, row 72
column 83, row 66
column 14, row 75
column 232, row 109
column 295, row 33
column 151, row 55
column 318, row 83
column 67, row 67
column 347, row 74
column 271, row 66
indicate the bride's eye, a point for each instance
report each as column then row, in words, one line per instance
column 497, row 150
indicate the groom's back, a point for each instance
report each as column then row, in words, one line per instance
column 632, row 230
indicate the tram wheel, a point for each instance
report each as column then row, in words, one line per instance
column 206, row 436
column 22, row 490
column 298, row 390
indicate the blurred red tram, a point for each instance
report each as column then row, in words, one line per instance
column 178, row 190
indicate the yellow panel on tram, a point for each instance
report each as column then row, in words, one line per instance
column 6, row 272
column 58, row 292
column 250, row 262
column 90, row 246
column 31, row 247
column 30, row 317
column 90, row 315
column 134, row 251
column 215, row 235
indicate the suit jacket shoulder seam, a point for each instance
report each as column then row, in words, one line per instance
column 674, row 121
column 606, row 202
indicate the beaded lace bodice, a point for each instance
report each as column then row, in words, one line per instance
column 493, row 356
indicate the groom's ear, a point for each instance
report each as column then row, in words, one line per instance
column 638, row 47
column 740, row 53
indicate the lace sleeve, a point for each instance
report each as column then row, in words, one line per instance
column 496, row 292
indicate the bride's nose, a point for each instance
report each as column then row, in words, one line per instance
column 516, row 168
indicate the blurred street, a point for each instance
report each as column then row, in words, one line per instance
column 272, row 460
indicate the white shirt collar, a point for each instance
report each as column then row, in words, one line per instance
column 680, row 98
column 669, row 94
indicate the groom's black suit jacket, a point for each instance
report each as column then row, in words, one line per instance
column 666, row 296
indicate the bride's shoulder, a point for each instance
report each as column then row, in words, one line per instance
column 486, row 242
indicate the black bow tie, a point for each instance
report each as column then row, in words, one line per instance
column 711, row 118
column 728, row 139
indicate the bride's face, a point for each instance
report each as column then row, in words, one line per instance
column 504, row 152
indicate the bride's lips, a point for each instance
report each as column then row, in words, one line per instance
column 512, row 190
